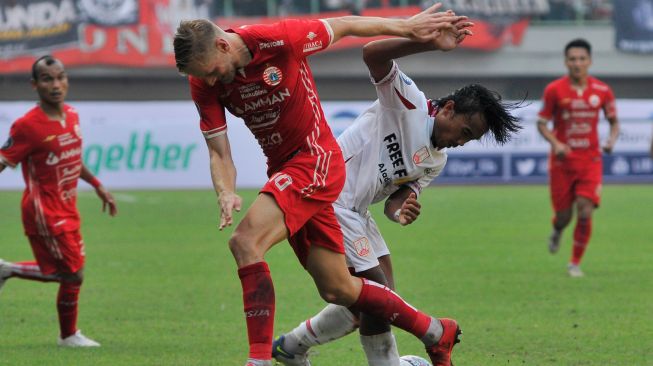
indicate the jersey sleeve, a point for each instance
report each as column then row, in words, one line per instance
column 212, row 117
column 548, row 103
column 610, row 104
column 398, row 91
column 17, row 146
column 307, row 37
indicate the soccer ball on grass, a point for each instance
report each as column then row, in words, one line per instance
column 410, row 360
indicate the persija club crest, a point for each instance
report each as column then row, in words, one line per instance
column 272, row 76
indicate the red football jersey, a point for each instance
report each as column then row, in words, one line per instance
column 575, row 114
column 50, row 154
column 275, row 93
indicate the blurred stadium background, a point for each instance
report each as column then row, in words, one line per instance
column 142, row 140
column 119, row 51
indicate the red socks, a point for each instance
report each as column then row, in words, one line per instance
column 67, row 308
column 380, row 301
column 582, row 234
column 258, row 300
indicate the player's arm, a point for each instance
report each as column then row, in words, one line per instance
column 560, row 150
column 402, row 206
column 100, row 190
column 378, row 55
column 421, row 27
column 2, row 167
column 614, row 135
column 223, row 175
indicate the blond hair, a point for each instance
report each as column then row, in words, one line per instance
column 192, row 41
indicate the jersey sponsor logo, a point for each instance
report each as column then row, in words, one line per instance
column 264, row 45
column 9, row 143
column 53, row 159
column 579, row 128
column 66, row 139
column 251, row 90
column 67, row 194
column 584, row 114
column 579, row 143
column 49, row 138
column 272, row 76
column 579, row 104
column 267, row 101
column 312, row 46
column 68, row 172
column 594, row 100
column 311, row 36
column 395, row 155
column 421, row 155
column 362, row 247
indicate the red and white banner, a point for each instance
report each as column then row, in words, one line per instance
column 139, row 33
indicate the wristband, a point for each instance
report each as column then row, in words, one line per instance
column 94, row 182
column 397, row 214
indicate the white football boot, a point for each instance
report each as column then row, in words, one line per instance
column 5, row 272
column 77, row 340
column 574, row 270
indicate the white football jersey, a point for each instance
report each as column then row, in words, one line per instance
column 389, row 145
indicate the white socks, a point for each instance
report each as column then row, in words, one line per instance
column 381, row 349
column 333, row 322
column 433, row 333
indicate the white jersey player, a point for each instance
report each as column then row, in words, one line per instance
column 392, row 151
column 395, row 132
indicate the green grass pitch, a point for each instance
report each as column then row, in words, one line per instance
column 161, row 286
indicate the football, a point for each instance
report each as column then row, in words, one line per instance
column 410, row 360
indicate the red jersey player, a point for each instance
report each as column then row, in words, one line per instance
column 574, row 103
column 260, row 73
column 47, row 142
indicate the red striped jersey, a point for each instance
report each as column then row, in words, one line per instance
column 275, row 93
column 50, row 155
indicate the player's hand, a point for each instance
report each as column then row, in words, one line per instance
column 608, row 147
column 448, row 40
column 107, row 200
column 561, row 150
column 410, row 210
column 429, row 24
column 229, row 201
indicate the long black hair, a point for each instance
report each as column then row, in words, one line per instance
column 475, row 98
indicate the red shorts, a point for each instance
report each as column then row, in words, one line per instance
column 571, row 180
column 305, row 188
column 63, row 253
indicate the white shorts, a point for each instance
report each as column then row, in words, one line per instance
column 363, row 241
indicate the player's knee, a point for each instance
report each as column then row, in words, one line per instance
column 337, row 294
column 585, row 209
column 76, row 278
column 563, row 218
column 242, row 246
